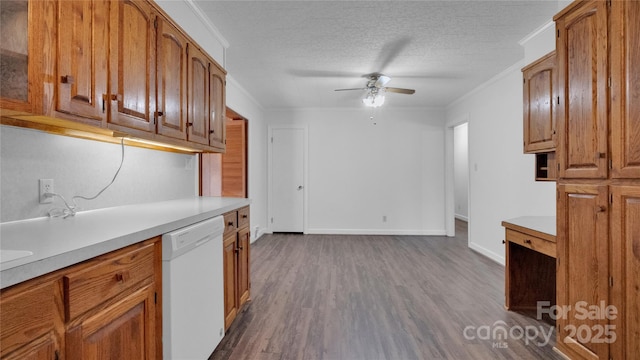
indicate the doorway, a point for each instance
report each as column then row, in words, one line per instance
column 457, row 177
column 287, row 149
column 227, row 174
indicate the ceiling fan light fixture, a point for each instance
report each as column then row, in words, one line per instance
column 373, row 100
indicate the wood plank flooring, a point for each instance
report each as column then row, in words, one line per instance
column 377, row 297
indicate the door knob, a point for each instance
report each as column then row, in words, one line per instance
column 299, row 187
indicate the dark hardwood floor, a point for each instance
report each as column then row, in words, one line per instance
column 378, row 297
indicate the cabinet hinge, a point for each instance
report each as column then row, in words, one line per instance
column 611, row 199
column 155, row 297
column 610, row 281
column 558, row 32
column 609, row 82
column 558, row 166
column 155, row 23
column 56, row 355
column 610, row 163
column 558, row 100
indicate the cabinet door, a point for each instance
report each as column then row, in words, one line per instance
column 539, row 94
column 582, row 278
column 172, row 80
column 198, row 95
column 218, row 108
column 43, row 348
column 132, row 65
column 26, row 28
column 123, row 330
column 244, row 280
column 31, row 320
column 625, row 247
column 229, row 261
column 82, row 59
column 14, row 51
column 583, row 76
column 625, row 89
column 234, row 160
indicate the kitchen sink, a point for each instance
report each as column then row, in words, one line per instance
column 9, row 255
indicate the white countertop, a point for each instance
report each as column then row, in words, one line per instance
column 57, row 243
column 543, row 224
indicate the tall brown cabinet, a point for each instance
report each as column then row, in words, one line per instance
column 598, row 157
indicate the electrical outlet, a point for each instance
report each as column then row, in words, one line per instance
column 46, row 186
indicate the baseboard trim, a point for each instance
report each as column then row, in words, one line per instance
column 488, row 253
column 375, row 232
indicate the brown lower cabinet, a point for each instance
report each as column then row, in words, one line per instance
column 103, row 308
column 236, row 259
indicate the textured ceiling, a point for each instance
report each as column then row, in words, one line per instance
column 295, row 53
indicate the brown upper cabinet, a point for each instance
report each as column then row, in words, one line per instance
column 539, row 79
column 172, row 81
column 26, row 29
column 581, row 49
column 81, row 83
column 132, row 47
column 625, row 95
column 198, row 95
column 217, row 84
column 117, row 64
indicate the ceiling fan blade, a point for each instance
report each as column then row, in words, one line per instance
column 350, row 89
column 399, row 90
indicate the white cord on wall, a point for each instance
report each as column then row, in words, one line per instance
column 72, row 208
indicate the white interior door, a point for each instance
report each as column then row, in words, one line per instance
column 287, row 180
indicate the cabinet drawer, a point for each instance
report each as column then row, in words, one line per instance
column 111, row 275
column 532, row 242
column 230, row 222
column 243, row 217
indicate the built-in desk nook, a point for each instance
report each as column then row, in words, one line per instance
column 530, row 269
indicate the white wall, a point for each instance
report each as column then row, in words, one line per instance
column 501, row 178
column 360, row 172
column 83, row 167
column 461, row 171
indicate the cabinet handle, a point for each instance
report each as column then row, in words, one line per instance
column 120, row 277
column 527, row 241
column 212, row 131
column 601, row 209
column 504, row 242
column 240, row 248
column 602, row 155
column 230, row 223
column 189, row 124
column 244, row 216
column 67, row 79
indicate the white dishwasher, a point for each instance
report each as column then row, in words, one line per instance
column 192, row 290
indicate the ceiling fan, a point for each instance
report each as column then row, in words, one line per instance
column 376, row 88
